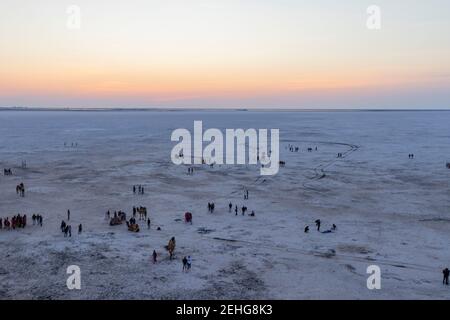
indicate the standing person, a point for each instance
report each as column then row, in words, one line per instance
column 184, row 264
column 148, row 223
column 80, row 229
column 230, row 205
column 318, row 224
column 189, row 263
column 446, row 273
column 134, row 189
column 68, row 215
column 70, row 230
column 236, row 210
column 154, row 255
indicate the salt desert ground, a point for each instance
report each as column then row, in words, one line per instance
column 390, row 210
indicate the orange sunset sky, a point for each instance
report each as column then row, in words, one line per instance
column 224, row 54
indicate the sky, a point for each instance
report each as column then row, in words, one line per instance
column 225, row 54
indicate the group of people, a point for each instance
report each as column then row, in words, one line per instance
column 72, row 144
column 17, row 221
column 139, row 189
column 211, row 207
column 244, row 209
column 191, row 170
column 339, row 155
column 142, row 211
column 318, row 224
column 20, row 189
column 293, row 148
column 411, row 156
column 187, row 263
column 67, row 229
column 20, row 221
column 132, row 225
column 118, row 217
column 37, row 219
column 7, row 172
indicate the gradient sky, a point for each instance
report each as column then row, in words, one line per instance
column 225, row 53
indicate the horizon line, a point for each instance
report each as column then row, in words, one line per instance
column 174, row 109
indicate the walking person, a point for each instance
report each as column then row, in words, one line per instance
column 80, row 229
column 68, row 215
column 230, row 205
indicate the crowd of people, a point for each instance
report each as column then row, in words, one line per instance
column 18, row 221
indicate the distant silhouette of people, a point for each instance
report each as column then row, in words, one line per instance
column 318, row 224
column 446, row 273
